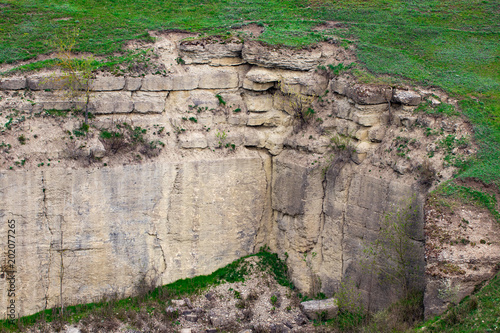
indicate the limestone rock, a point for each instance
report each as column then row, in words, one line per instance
column 268, row 119
column 15, row 83
column 218, row 79
column 376, row 133
column 367, row 94
column 263, row 75
column 133, row 83
column 108, row 83
column 366, row 119
column 193, row 140
column 258, row 103
column 281, row 57
column 204, row 51
column 187, row 81
column 320, row 309
column 47, row 82
column 111, row 102
column 250, row 85
column 96, row 148
column 148, row 102
column 407, row 97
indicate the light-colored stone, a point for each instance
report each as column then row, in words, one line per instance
column 368, row 94
column 96, row 148
column 320, row 309
column 133, row 83
column 268, row 119
column 376, row 133
column 258, row 103
column 111, row 102
column 218, row 79
column 263, row 75
column 193, row 140
column 48, row 82
column 107, row 83
column 186, row 81
column 204, row 51
column 15, row 83
column 250, row 85
column 280, row 57
column 128, row 219
column 149, row 102
column 407, row 97
column 366, row 119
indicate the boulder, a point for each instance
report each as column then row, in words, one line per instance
column 320, row 309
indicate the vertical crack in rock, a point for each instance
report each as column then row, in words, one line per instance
column 322, row 217
column 46, row 218
column 158, row 241
column 173, row 190
column 268, row 191
column 348, row 187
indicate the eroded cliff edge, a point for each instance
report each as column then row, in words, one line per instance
column 230, row 158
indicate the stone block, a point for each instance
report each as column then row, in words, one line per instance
column 112, row 102
column 327, row 308
column 108, row 83
column 133, row 83
column 258, row 103
column 268, row 119
column 188, row 81
column 149, row 102
column 204, row 51
column 45, row 82
column 257, row 53
column 367, row 119
column 339, row 86
column 250, row 85
column 156, row 83
column 367, row 94
column 15, row 83
column 407, row 97
column 376, row 133
column 219, row 79
column 262, row 75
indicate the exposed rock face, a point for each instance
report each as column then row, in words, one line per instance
column 238, row 169
column 106, row 229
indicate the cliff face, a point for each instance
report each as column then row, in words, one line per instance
column 211, row 157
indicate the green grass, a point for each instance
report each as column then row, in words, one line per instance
column 477, row 313
column 234, row 272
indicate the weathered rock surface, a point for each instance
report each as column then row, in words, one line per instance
column 280, row 57
column 320, row 309
column 124, row 225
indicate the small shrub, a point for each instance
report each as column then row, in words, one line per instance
column 221, row 100
column 22, row 139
